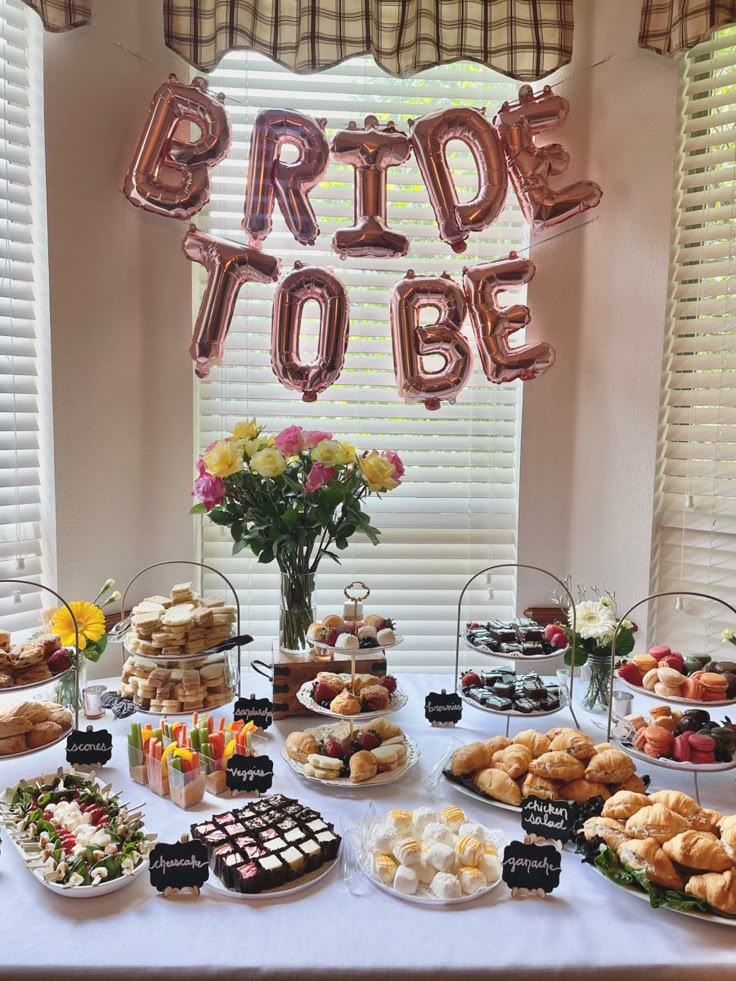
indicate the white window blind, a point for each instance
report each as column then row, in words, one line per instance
column 695, row 527
column 25, row 386
column 457, row 508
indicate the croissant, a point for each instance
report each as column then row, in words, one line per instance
column 607, row 829
column 602, row 747
column 535, row 786
column 575, row 743
column 468, row 759
column 698, row 850
column 706, row 820
column 611, row 766
column 656, row 821
column 513, row 760
column 634, row 783
column 582, row 790
column 556, row 730
column 716, row 888
column 648, row 855
column 728, row 838
column 535, row 741
column 623, row 804
column 557, row 766
column 496, row 743
column 497, row 785
column 676, row 801
column 299, row 745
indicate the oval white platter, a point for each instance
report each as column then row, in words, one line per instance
column 345, row 783
column 473, row 795
column 279, row 892
column 558, row 652
column 695, row 914
column 398, row 700
column 358, row 652
column 675, row 764
column 676, row 699
column 510, row 713
column 16, row 689
column 37, row 749
column 92, row 892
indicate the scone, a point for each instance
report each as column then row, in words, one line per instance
column 363, row 766
column 345, row 704
column 375, row 698
column 43, row 733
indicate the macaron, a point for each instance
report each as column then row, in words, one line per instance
column 670, row 677
column 637, row 721
column 681, row 748
column 650, row 679
column 666, row 691
column 696, row 757
column 730, row 676
column 674, row 660
column 690, row 688
column 701, row 743
column 658, row 737
column 721, row 666
column 659, row 711
column 659, row 652
column 666, row 722
column 644, row 662
column 713, row 683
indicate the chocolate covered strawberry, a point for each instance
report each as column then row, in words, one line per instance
column 389, row 683
column 368, row 740
column 324, row 694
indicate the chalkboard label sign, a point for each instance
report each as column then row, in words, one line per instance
column 249, row 774
column 549, row 818
column 531, row 866
column 443, row 708
column 90, row 748
column 259, row 711
column 183, row 865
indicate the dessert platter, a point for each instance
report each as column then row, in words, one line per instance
column 520, row 639
column 27, row 727
column 691, row 680
column 32, row 663
column 344, row 756
column 562, row 764
column 351, row 696
column 271, row 848
column 668, row 849
column 357, row 637
column 679, row 740
column 428, row 857
column 74, row 835
column 503, row 692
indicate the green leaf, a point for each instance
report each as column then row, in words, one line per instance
column 624, row 643
column 580, row 656
column 240, row 545
column 342, row 543
column 198, row 508
column 220, row 516
column 266, row 556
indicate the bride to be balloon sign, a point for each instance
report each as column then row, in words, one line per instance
column 170, row 175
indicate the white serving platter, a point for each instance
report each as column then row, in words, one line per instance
column 279, row 892
column 398, row 701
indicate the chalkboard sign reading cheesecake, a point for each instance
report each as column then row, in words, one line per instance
column 549, row 818
column 249, row 774
column 182, row 865
column 259, row 711
column 443, row 709
column 89, row 748
column 531, row 866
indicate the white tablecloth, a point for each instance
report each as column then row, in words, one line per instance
column 586, row 925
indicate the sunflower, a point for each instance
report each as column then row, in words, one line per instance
column 90, row 620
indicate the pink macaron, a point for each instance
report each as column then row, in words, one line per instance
column 681, row 748
column 701, row 743
column 659, row 652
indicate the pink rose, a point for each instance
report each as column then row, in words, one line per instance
column 314, row 436
column 319, row 475
column 290, row 441
column 208, row 489
column 397, row 462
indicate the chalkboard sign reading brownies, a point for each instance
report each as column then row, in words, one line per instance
column 90, row 748
column 528, row 866
column 182, row 865
column 555, row 819
column 259, row 711
column 443, row 709
column 249, row 774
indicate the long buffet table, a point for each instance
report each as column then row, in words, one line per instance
column 586, row 926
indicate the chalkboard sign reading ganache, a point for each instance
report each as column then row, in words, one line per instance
column 549, row 818
column 531, row 866
column 89, row 748
column 249, row 774
column 443, row 708
column 182, row 865
column 259, row 711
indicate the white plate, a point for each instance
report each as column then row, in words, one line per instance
column 674, row 764
column 345, row 783
column 695, row 914
column 677, row 699
column 473, row 795
column 37, row 684
column 510, row 713
column 38, row 749
column 523, row 658
column 398, row 701
column 360, row 652
column 279, row 892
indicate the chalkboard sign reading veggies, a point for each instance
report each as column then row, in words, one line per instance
column 90, row 748
column 182, row 865
column 249, row 774
column 443, row 709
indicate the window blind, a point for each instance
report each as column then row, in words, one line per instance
column 695, row 526
column 456, row 510
column 24, row 387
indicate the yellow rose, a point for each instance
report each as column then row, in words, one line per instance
column 327, row 453
column 247, row 429
column 378, row 472
column 251, row 446
column 346, row 454
column 223, row 459
column 268, row 462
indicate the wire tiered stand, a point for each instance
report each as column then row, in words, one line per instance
column 522, row 658
column 681, row 767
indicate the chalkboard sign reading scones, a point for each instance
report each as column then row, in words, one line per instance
column 249, row 774
column 90, row 748
column 535, row 867
column 183, row 865
column 554, row 819
column 259, row 711
column 443, row 709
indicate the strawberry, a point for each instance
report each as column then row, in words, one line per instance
column 324, row 694
column 389, row 683
column 554, row 634
column 330, row 635
column 470, row 680
column 368, row 740
column 629, row 672
column 335, row 748
column 59, row 661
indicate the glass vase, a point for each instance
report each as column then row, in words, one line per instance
column 297, row 612
column 595, row 676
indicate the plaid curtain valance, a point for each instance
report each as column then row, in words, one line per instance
column 525, row 39
column 670, row 26
column 62, row 15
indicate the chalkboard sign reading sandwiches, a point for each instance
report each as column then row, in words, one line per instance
column 259, row 711
column 531, row 866
column 90, row 748
column 183, row 865
column 249, row 774
column 443, row 709
column 554, row 819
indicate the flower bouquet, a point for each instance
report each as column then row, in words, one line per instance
column 292, row 498
column 595, row 622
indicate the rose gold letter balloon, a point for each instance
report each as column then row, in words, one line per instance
column 493, row 325
column 371, row 151
column 309, row 283
column 430, row 136
column 228, row 266
column 169, row 176
column 413, row 342
column 291, row 182
column 532, row 166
